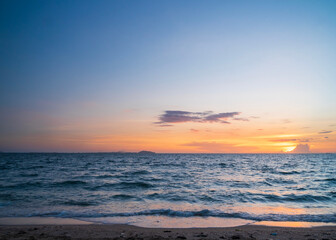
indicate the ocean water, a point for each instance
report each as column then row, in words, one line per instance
column 169, row 188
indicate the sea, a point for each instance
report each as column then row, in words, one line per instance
column 170, row 190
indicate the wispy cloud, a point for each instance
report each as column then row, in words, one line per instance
column 169, row 117
column 218, row 147
column 325, row 132
column 241, row 119
column 283, row 140
column 285, row 121
column 279, row 136
column 207, row 145
column 165, row 125
column 302, row 140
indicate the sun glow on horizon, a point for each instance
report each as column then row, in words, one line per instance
column 288, row 149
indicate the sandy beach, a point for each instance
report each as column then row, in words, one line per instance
column 116, row 231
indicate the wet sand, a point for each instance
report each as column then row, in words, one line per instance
column 116, row 231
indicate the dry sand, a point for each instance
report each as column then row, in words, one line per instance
column 96, row 231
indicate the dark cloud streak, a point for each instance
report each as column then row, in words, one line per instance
column 325, row 132
column 169, row 117
column 283, row 140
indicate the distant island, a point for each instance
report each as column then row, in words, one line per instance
column 146, row 152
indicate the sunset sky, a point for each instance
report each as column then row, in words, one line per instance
column 168, row 76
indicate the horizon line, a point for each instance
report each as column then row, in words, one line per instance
column 125, row 152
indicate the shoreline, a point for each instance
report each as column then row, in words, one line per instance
column 129, row 232
column 55, row 228
column 226, row 222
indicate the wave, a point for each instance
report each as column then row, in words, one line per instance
column 139, row 172
column 288, row 173
column 244, row 197
column 330, row 180
column 123, row 185
column 289, row 198
column 124, row 197
column 70, row 183
column 239, row 184
column 105, row 176
column 79, row 203
column 34, row 167
column 332, row 194
column 40, row 182
column 226, row 165
column 28, row 174
column 280, row 180
column 6, row 196
column 327, row 218
column 26, row 185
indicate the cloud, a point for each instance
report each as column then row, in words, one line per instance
column 241, row 119
column 163, row 125
column 302, row 140
column 169, row 117
column 204, row 145
column 220, row 117
column 216, row 147
column 301, row 148
column 283, row 140
column 194, row 130
column 325, row 132
column 285, row 121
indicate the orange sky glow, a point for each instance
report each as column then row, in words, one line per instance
column 256, row 135
column 183, row 77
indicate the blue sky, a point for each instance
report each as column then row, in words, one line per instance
column 67, row 62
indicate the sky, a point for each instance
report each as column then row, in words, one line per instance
column 168, row 76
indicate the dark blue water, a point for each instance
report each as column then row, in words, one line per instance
column 276, row 187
